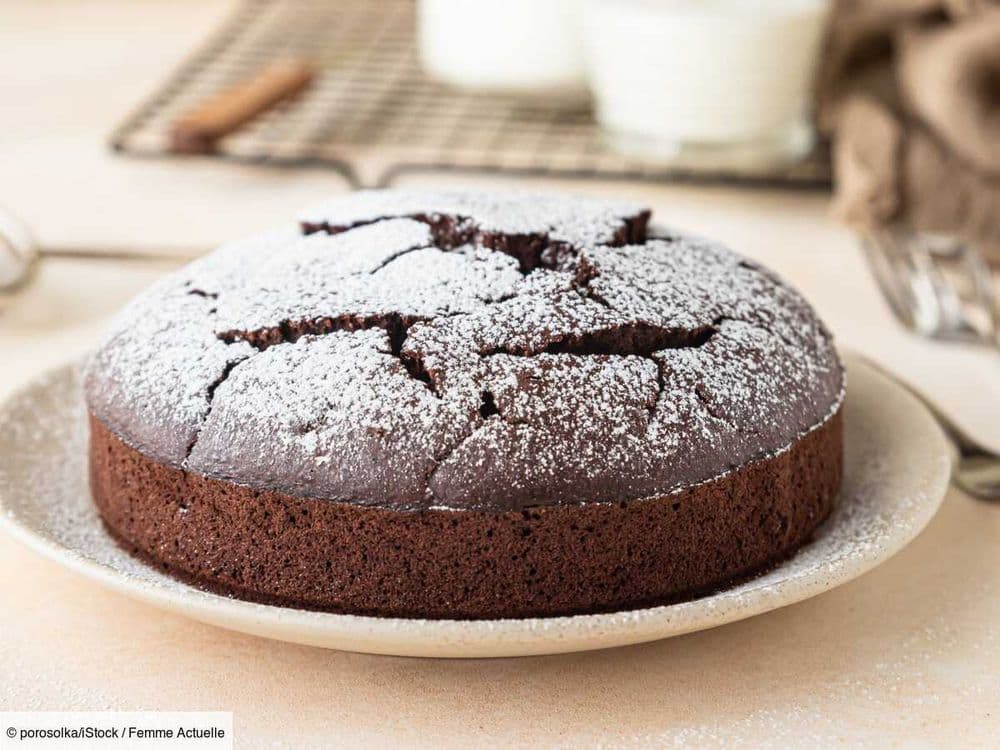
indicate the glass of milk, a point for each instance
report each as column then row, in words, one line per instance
column 527, row 48
column 705, row 83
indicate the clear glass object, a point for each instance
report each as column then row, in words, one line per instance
column 705, row 83
column 526, row 48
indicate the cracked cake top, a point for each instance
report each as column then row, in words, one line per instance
column 466, row 351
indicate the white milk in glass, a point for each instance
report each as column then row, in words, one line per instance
column 703, row 78
column 524, row 47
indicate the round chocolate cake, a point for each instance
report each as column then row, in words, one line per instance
column 466, row 405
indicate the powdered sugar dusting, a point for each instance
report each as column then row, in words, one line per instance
column 387, row 364
column 896, row 471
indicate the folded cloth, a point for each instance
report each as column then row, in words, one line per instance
column 910, row 96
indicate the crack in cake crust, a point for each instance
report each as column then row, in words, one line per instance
column 210, row 398
column 531, row 250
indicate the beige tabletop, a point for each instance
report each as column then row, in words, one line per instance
column 908, row 655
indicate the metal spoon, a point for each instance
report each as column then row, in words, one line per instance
column 18, row 253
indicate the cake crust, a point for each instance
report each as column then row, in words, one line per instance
column 468, row 352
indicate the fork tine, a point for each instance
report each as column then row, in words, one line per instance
column 920, row 284
column 983, row 288
column 880, row 254
column 951, row 319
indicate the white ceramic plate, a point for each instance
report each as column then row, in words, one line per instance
column 897, row 471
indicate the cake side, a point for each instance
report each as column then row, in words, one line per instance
column 562, row 559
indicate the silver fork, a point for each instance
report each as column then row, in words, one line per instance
column 936, row 286
column 941, row 288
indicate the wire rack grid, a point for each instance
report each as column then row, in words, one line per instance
column 373, row 114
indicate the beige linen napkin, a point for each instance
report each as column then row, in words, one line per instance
column 910, row 96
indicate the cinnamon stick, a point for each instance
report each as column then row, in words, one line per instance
column 198, row 130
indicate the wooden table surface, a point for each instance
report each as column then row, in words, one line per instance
column 908, row 655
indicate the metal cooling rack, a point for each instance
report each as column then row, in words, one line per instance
column 372, row 114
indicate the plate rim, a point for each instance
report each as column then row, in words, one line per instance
column 475, row 638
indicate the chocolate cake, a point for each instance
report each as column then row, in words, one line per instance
column 466, row 405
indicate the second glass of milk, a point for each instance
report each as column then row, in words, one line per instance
column 526, row 48
column 705, row 83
